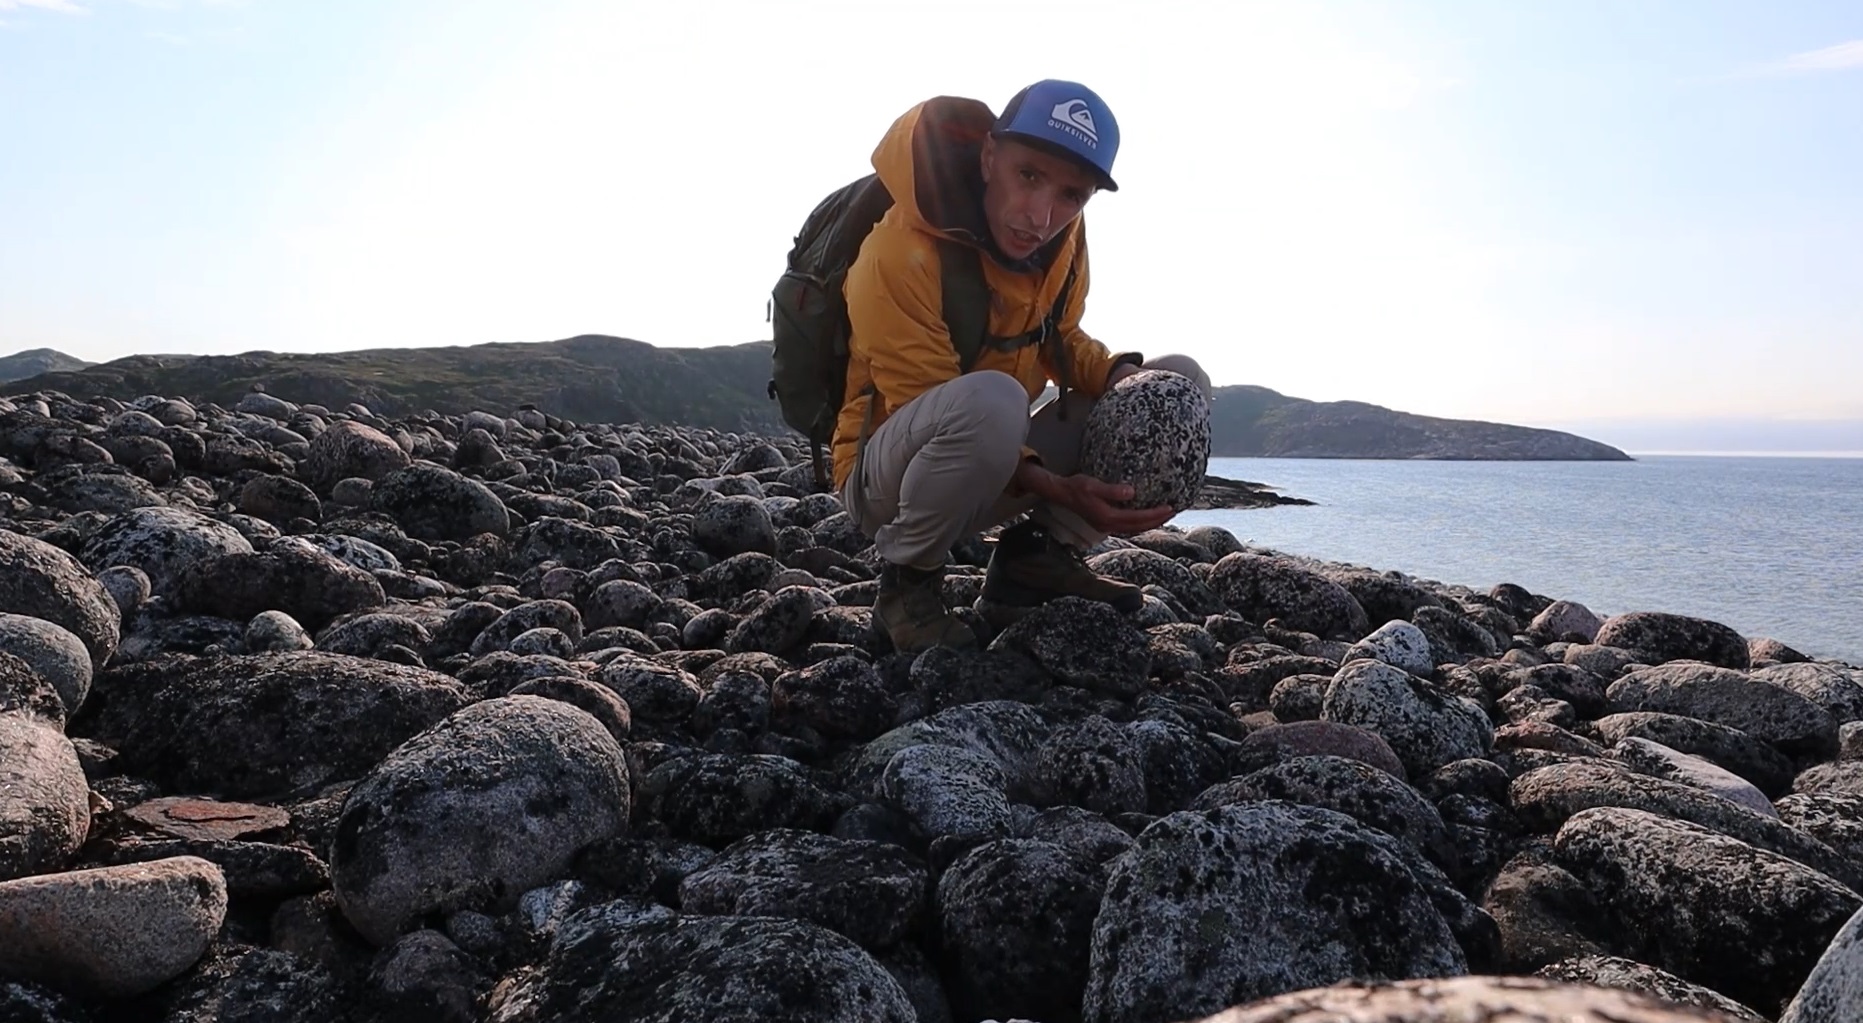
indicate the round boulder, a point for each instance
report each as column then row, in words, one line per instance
column 53, row 651
column 41, row 581
column 1151, row 431
column 163, row 542
column 434, row 504
column 1458, row 999
column 349, row 449
column 475, row 811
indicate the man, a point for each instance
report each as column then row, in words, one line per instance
column 949, row 453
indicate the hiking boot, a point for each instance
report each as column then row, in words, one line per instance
column 910, row 610
column 1030, row 567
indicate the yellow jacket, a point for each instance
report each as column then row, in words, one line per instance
column 895, row 297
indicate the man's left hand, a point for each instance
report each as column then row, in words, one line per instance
column 1120, row 372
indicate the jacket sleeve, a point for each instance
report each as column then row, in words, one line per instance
column 1089, row 360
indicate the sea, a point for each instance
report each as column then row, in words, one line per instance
column 1769, row 545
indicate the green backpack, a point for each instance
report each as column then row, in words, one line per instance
column 808, row 314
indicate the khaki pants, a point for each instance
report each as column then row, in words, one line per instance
column 935, row 471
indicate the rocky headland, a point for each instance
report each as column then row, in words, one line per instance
column 318, row 714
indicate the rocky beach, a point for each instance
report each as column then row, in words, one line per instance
column 314, row 714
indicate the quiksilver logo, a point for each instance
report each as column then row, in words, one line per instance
column 1074, row 118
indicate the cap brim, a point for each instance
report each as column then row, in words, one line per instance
column 1101, row 178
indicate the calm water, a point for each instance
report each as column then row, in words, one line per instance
column 1769, row 546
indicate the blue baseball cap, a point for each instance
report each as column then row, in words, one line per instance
column 1068, row 117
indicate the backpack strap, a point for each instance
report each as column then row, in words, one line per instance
column 966, row 300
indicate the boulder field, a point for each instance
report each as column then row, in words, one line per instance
column 322, row 715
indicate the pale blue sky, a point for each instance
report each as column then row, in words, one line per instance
column 1548, row 213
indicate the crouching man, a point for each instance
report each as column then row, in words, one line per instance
column 928, row 451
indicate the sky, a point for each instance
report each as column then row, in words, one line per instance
column 1634, row 217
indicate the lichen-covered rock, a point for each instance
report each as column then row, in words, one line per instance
column 1844, row 778
column 1092, row 764
column 52, row 651
column 1584, row 690
column 351, row 449
column 1278, row 742
column 1222, row 907
column 1730, row 748
column 1545, row 798
column 1425, row 727
column 234, row 982
column 1835, row 820
column 275, row 632
column 1007, row 735
column 595, row 700
column 1016, row 926
column 1261, row 587
column 44, row 799
column 1644, row 979
column 718, row 798
column 734, row 525
column 842, row 696
column 1364, row 793
column 1398, row 644
column 777, row 625
column 1834, row 990
column 127, row 586
column 255, row 725
column 1563, row 620
column 432, row 503
column 654, row 691
column 1463, row 1000
column 1657, row 637
column 1827, row 685
column 111, row 931
column 490, row 802
column 40, row 581
column 945, row 790
column 613, row 964
column 536, row 614
column 279, row 499
column 302, row 581
column 1082, row 643
column 1660, row 761
column 1703, row 906
column 1151, row 430
column 162, row 542
column 1141, row 567
column 872, row 892
column 1545, row 914
column 1794, row 725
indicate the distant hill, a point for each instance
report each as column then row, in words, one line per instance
column 1256, row 421
column 595, row 378
column 34, row 361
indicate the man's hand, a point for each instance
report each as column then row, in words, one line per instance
column 1120, row 372
column 1092, row 499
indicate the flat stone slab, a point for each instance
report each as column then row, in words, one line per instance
column 207, row 820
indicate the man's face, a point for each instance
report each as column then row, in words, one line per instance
column 1030, row 196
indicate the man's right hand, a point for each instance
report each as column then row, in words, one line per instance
column 1093, row 500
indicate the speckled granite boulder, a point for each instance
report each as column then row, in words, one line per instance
column 1657, row 637
column 1465, row 1000
column 41, row 581
column 1151, row 431
column 163, row 542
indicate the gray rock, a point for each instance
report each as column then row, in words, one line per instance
column 1092, row 764
column 275, row 632
column 488, row 803
column 1730, row 748
column 365, row 634
column 1227, row 906
column 1260, row 587
column 1007, row 735
column 45, row 807
column 719, row 798
column 1703, row 906
column 1827, row 685
column 1833, row 993
column 842, row 696
column 1275, row 743
column 1151, row 430
column 41, row 581
column 432, row 503
column 1399, row 644
column 777, row 625
column 1605, row 661
column 111, row 931
column 734, row 525
column 239, row 982
column 1563, row 619
column 536, row 614
column 872, row 892
column 1460, row 999
column 302, row 581
column 1141, row 567
column 1660, row 761
column 1544, row 912
column 127, row 586
column 263, row 724
column 597, row 701
column 1364, row 793
column 22, row 1002
column 945, row 790
column 620, row 602
column 654, row 691
column 51, row 650
column 1299, row 699
column 1658, row 637
column 279, row 499
column 353, row 551
column 1545, row 798
column 644, row 966
column 1629, row 975
column 1794, row 725
column 350, row 449
column 1016, row 926
column 1844, row 778
column 163, row 542
column 1082, row 643
column 1835, row 820
column 1425, row 727
column 425, row 976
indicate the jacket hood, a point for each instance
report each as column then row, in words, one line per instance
column 929, row 161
